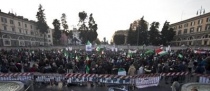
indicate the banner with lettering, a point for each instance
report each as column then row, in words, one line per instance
column 203, row 79
column 147, row 82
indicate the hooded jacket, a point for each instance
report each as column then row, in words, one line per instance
column 131, row 70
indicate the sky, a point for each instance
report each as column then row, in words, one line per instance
column 110, row 15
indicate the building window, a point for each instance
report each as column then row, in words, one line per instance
column 19, row 24
column 174, row 28
column 192, row 30
column 32, row 33
column 199, row 29
column 26, row 25
column 205, row 42
column 5, row 27
column 11, row 22
column 200, row 21
column 49, row 40
column 3, row 19
column 7, row 42
column 179, row 32
column 185, row 31
column 207, row 27
column 192, row 23
column 20, row 30
column 180, row 26
column 26, row 32
column 31, row 27
column 48, row 36
column 186, row 25
column 13, row 29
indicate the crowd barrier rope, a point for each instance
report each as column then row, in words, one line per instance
column 141, row 81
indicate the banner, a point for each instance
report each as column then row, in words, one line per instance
column 147, row 82
column 203, row 79
column 132, row 51
column 88, row 46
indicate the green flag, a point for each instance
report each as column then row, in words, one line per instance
column 87, row 58
column 87, row 69
column 180, row 56
column 88, row 43
column 98, row 48
column 148, row 52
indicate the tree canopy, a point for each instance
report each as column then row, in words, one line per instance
column 167, row 33
column 41, row 23
column 87, row 33
column 57, row 32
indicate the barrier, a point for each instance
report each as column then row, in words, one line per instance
column 140, row 81
column 15, row 76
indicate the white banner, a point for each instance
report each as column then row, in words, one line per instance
column 88, row 47
column 147, row 82
column 203, row 79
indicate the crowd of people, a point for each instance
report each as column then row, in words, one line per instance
column 104, row 62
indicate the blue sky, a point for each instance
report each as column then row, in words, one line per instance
column 110, row 15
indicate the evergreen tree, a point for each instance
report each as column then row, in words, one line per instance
column 167, row 34
column 64, row 23
column 92, row 29
column 119, row 39
column 142, row 32
column 154, row 36
column 57, row 32
column 87, row 33
column 132, row 36
column 41, row 23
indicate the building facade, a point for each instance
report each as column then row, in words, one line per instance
column 192, row 32
column 19, row 31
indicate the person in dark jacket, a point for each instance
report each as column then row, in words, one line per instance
column 61, row 70
column 166, row 69
column 199, row 70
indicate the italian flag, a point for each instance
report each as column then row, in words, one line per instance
column 160, row 52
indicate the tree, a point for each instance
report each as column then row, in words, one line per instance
column 132, row 36
column 154, row 36
column 167, row 34
column 87, row 33
column 93, row 27
column 57, row 32
column 64, row 22
column 142, row 32
column 119, row 39
column 41, row 23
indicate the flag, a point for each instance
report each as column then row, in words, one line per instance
column 87, row 58
column 180, row 56
column 158, row 50
column 87, row 69
column 129, row 55
column 98, row 48
column 162, row 53
column 149, row 52
column 88, row 46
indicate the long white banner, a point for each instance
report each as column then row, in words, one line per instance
column 147, row 82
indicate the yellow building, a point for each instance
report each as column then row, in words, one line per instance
column 192, row 32
column 19, row 31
